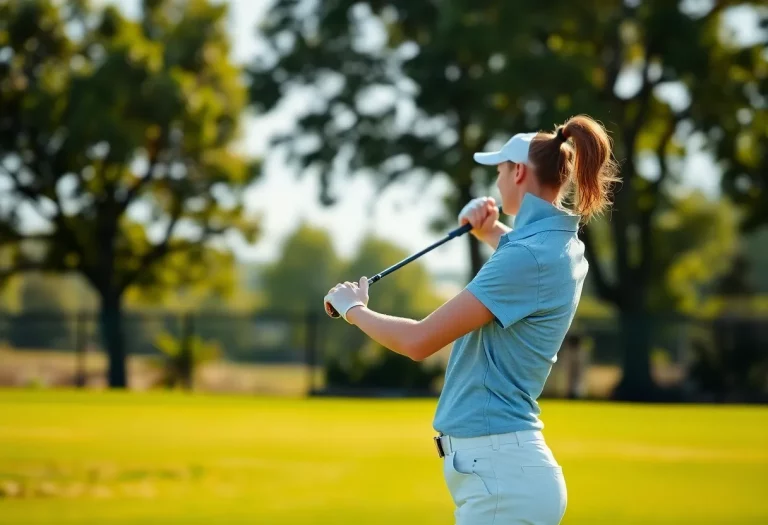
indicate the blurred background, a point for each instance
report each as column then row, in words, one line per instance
column 181, row 182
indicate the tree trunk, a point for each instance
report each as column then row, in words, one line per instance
column 636, row 328
column 632, row 282
column 111, row 324
column 636, row 382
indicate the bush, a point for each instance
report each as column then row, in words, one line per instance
column 731, row 364
column 381, row 370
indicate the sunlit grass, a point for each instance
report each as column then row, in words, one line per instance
column 118, row 458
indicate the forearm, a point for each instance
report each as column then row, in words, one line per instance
column 492, row 238
column 398, row 334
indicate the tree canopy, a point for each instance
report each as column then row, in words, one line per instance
column 116, row 157
column 414, row 88
column 300, row 277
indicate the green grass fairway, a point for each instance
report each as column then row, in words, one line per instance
column 119, row 458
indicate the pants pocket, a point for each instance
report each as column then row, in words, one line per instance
column 468, row 476
column 472, row 484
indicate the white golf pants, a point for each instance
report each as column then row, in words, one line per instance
column 504, row 479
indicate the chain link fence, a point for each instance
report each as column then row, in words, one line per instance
column 281, row 354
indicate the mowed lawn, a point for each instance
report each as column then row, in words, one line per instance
column 102, row 457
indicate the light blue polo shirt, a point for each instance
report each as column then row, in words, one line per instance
column 532, row 284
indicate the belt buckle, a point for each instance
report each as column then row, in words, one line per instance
column 439, row 445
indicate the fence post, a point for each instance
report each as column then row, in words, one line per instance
column 187, row 359
column 81, row 376
column 311, row 350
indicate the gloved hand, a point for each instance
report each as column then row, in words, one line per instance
column 481, row 213
column 345, row 296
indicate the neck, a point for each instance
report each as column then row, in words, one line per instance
column 545, row 193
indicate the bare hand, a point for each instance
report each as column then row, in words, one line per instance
column 482, row 214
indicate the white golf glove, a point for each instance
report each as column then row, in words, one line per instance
column 344, row 297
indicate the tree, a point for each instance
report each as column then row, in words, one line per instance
column 299, row 279
column 408, row 291
column 696, row 243
column 353, row 360
column 416, row 87
column 755, row 255
column 182, row 358
column 46, row 316
column 293, row 287
column 115, row 138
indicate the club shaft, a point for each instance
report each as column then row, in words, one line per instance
column 458, row 232
column 455, row 233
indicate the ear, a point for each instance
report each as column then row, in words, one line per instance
column 521, row 172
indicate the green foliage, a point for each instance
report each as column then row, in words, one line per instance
column 41, row 292
column 755, row 250
column 116, row 140
column 46, row 315
column 307, row 267
column 696, row 242
column 182, row 357
column 729, row 362
column 445, row 80
column 9, row 295
column 695, row 239
column 375, row 368
column 592, row 308
column 408, row 291
column 354, row 361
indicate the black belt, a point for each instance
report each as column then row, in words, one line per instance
column 439, row 445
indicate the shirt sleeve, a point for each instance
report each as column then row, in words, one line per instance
column 508, row 284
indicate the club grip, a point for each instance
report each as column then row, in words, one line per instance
column 466, row 228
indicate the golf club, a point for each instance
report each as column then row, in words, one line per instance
column 458, row 232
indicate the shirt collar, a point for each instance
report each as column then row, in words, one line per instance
column 537, row 215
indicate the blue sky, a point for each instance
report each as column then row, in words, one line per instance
column 403, row 212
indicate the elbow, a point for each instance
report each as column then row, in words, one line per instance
column 417, row 354
column 418, row 350
column 417, row 342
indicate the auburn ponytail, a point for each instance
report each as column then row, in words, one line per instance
column 587, row 165
column 594, row 170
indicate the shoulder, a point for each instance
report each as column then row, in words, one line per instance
column 510, row 265
column 519, row 254
column 508, row 283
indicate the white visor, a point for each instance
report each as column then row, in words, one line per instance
column 515, row 150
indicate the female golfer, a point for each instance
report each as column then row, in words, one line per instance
column 507, row 324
